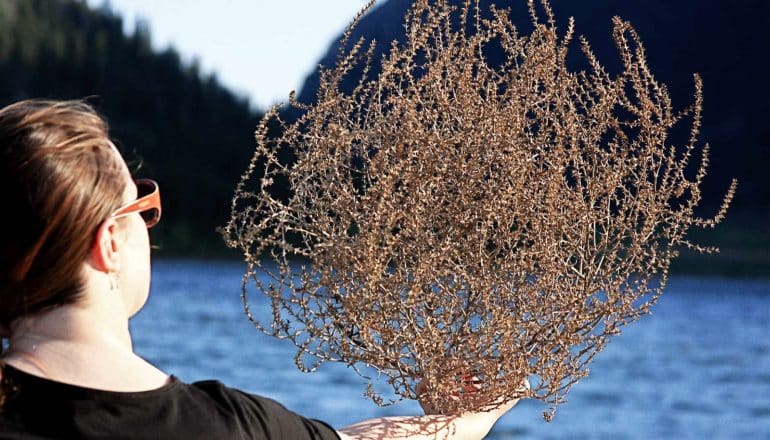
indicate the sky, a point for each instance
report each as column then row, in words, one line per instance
column 262, row 49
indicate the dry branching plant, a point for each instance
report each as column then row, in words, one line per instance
column 455, row 222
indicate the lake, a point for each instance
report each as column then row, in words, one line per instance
column 698, row 367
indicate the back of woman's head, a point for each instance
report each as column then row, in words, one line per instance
column 60, row 178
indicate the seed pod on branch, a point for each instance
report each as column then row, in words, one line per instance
column 450, row 217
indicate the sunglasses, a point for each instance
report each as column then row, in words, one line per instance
column 147, row 203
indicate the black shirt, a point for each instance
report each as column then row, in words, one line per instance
column 37, row 408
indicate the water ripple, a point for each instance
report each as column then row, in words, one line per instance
column 699, row 367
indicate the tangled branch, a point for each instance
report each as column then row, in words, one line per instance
column 450, row 217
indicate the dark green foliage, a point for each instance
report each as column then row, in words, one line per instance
column 189, row 133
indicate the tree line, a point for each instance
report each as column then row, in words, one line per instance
column 172, row 122
column 186, row 130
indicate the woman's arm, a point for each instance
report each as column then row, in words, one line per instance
column 468, row 426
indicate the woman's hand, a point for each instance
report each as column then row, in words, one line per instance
column 466, row 426
column 482, row 419
column 469, row 386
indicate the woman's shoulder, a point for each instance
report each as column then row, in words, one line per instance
column 259, row 413
column 49, row 409
column 205, row 409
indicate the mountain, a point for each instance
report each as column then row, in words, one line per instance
column 727, row 43
column 195, row 137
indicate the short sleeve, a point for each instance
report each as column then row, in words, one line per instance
column 263, row 418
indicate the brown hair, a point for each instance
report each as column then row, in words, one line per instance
column 59, row 180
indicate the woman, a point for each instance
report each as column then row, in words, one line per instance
column 75, row 267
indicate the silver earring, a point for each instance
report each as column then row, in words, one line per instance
column 114, row 279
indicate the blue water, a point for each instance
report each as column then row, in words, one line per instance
column 698, row 368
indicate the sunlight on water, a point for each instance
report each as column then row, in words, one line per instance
column 699, row 367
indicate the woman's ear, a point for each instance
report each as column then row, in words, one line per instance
column 105, row 256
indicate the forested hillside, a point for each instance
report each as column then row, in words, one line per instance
column 195, row 137
column 189, row 132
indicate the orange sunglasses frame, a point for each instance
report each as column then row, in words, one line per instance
column 144, row 203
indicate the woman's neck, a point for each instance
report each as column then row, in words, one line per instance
column 86, row 344
column 101, row 325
